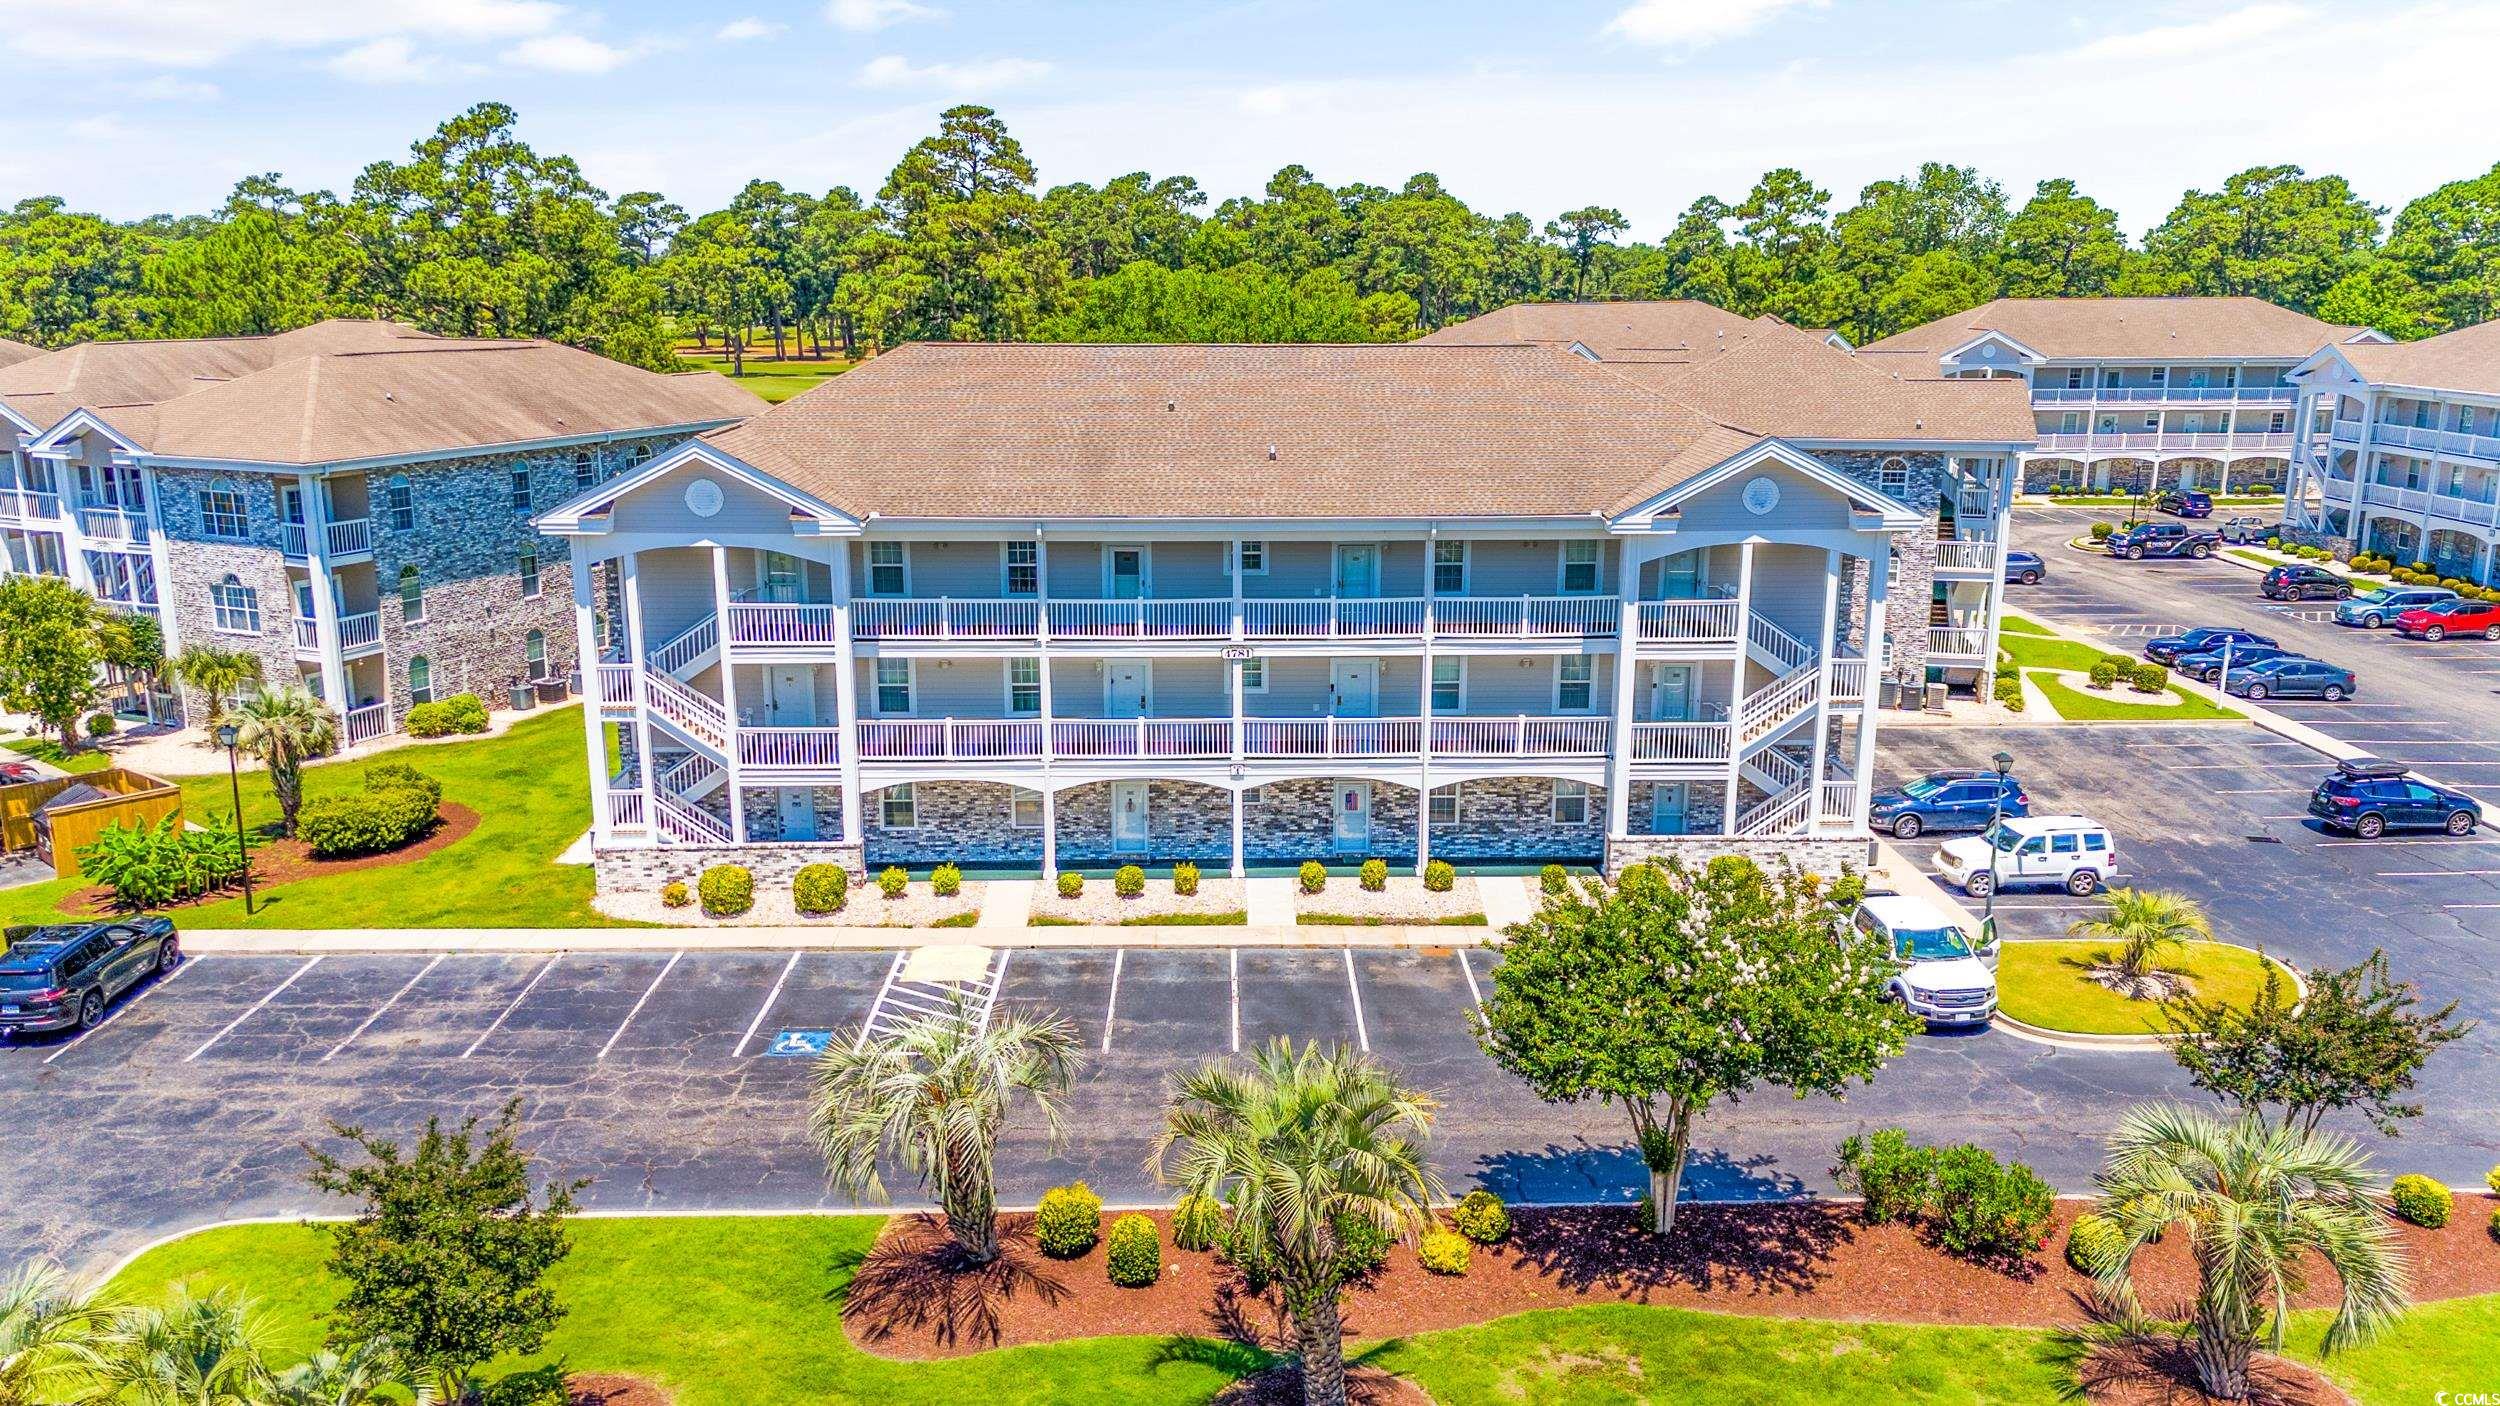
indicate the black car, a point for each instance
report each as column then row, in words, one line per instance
column 2303, row 582
column 2370, row 797
column 1948, row 800
column 62, row 977
column 2188, row 504
column 2205, row 639
column 2163, row 539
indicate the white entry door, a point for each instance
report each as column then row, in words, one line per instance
column 1128, row 685
column 1670, row 692
column 1354, row 817
column 1128, row 817
column 1358, row 571
column 798, row 813
column 1666, row 808
column 794, row 696
column 1354, row 687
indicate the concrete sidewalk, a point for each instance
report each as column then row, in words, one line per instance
column 315, row 941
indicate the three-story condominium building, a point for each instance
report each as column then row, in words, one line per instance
column 2134, row 394
column 2402, row 451
column 349, row 501
column 1073, row 605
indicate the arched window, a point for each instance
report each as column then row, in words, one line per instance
column 529, row 571
column 534, row 653
column 420, row 680
column 411, row 595
column 1893, row 476
column 402, row 503
column 237, row 606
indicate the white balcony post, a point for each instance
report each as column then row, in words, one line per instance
column 845, row 693
column 1823, row 695
column 1996, row 592
column 1627, row 672
column 1423, row 741
column 594, row 734
column 631, row 602
column 1736, row 689
column 728, row 695
column 1050, row 832
column 325, row 608
column 1878, row 592
column 2361, row 466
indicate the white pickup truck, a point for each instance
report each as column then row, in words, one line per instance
column 1944, row 976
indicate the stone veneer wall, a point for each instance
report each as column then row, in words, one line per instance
column 1911, row 585
column 195, row 562
column 763, row 811
column 774, row 866
column 1512, row 818
column 1825, row 857
column 1705, row 807
column 964, row 821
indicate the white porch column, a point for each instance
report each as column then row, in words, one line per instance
column 594, row 735
column 1823, row 694
column 2361, row 465
column 326, row 638
column 728, row 695
column 1050, row 702
column 1050, row 833
column 1423, row 742
column 1627, row 672
column 1878, row 593
column 630, row 601
column 1736, row 689
column 1238, row 868
column 1996, row 586
column 845, row 694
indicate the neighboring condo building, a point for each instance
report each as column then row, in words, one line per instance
column 2135, row 394
column 1250, row 605
column 2403, row 457
column 350, row 500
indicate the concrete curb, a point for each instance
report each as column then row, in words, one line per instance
column 2136, row 1044
column 324, row 941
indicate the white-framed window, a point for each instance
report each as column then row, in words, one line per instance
column 1579, row 568
column 898, row 808
column 1449, row 684
column 639, row 455
column 2159, row 376
column 1254, row 795
column 1024, row 688
column 411, row 595
column 520, row 485
column 2152, row 419
column 222, row 514
column 534, row 655
column 420, row 680
column 529, row 571
column 400, row 501
column 1571, row 802
column 585, row 468
column 1449, row 568
column 2071, row 422
column 237, row 606
column 1254, row 676
column 1024, row 809
column 1575, row 682
column 1893, row 477
column 2109, row 377
column 894, row 687
column 889, row 569
column 1021, row 568
column 1444, row 806
column 1253, row 558
column 2074, row 378
column 2279, row 421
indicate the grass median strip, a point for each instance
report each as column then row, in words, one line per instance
column 2050, row 985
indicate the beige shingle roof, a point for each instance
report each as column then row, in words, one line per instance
column 1670, row 331
column 2127, row 329
column 11, row 353
column 345, row 390
column 1211, row 431
column 2467, row 359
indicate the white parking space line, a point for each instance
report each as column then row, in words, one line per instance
column 619, row 1033
column 1111, row 1008
column 1362, row 1036
column 109, row 1016
column 1470, row 973
column 1233, row 961
column 380, row 1010
column 2463, row 906
column 247, row 1015
column 537, row 977
column 877, row 1005
column 2437, row 873
column 2440, row 840
column 2260, row 790
column 2250, row 765
column 771, row 999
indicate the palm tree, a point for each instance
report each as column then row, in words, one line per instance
column 190, row 1351
column 2256, row 1198
column 1300, row 1147
column 355, row 1377
column 218, row 672
column 283, row 729
column 46, row 1323
column 2145, row 923
column 933, row 1094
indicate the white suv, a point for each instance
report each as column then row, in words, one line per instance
column 1944, row 977
column 2072, row 851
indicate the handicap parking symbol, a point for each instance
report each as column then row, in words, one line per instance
column 800, row 1044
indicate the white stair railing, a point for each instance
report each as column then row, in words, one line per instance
column 691, row 774
column 686, row 646
column 698, row 716
column 685, row 824
column 1766, row 712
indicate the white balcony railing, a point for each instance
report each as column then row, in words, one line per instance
column 1848, row 680
column 945, row 617
column 1532, row 616
column 1328, row 617
column 1693, row 741
column 1839, row 804
column 774, row 624
column 1689, row 621
column 2453, row 442
column 2153, row 395
column 2176, row 441
column 292, row 540
column 1331, row 737
column 1956, row 641
column 364, row 724
column 1091, row 738
column 110, row 524
column 349, row 537
column 616, row 685
column 1141, row 619
column 948, row 739
column 625, row 810
column 1316, row 617
column 790, row 748
column 362, row 630
column 1520, row 736
column 307, row 635
column 29, row 503
column 1964, row 554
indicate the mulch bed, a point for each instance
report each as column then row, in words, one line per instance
column 2160, row 1371
column 910, row 1299
column 610, row 1389
column 277, row 861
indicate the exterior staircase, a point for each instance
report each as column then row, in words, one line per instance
column 1767, row 753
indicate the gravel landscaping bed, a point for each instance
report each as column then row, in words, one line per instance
column 919, row 907
column 1102, row 904
column 1405, row 899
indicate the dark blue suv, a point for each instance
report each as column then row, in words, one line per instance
column 2207, row 663
column 2370, row 797
column 1948, row 800
column 2205, row 639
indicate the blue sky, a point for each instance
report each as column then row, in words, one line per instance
column 134, row 106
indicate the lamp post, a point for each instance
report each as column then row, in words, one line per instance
column 1996, row 816
column 234, row 785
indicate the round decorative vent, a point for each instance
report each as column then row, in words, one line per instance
column 1761, row 496
column 703, row 497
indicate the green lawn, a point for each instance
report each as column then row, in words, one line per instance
column 532, row 795
column 2041, row 983
column 2452, row 1346
column 45, row 749
column 2034, row 650
column 775, row 381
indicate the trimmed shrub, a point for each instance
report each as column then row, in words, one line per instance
column 2149, row 678
column 1128, row 881
column 1439, row 877
column 1185, row 879
column 2421, row 1200
column 675, row 894
column 2010, row 692
column 462, row 712
column 1481, row 1217
column 1553, row 878
column 382, row 776
column 1896, row 1176
column 2101, row 531
column 1071, row 883
column 1197, row 1221
column 820, row 888
column 1068, row 1221
column 2492, row 1180
column 2123, row 663
column 1314, row 876
column 893, row 880
column 1134, row 1255
column 2093, row 1243
column 1361, row 1246
column 378, row 820
column 1374, row 875
column 2495, row 1225
column 1444, row 1251
column 2104, row 674
column 101, row 725
column 1989, row 1209
column 726, row 890
column 946, row 880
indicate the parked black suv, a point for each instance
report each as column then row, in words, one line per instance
column 2370, row 797
column 2303, row 582
column 2188, row 503
column 2162, row 539
column 62, row 977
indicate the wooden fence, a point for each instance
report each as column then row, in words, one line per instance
column 135, row 798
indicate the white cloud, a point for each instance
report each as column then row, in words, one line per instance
column 739, row 30
column 104, row 127
column 2198, row 39
column 979, row 76
column 869, row 16
column 1690, row 24
column 166, row 88
column 573, row 53
column 386, row 60
column 193, row 34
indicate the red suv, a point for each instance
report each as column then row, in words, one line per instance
column 2452, row 617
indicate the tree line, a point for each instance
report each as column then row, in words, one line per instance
column 478, row 233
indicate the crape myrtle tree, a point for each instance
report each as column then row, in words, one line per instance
column 2356, row 1040
column 48, row 652
column 1681, row 986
